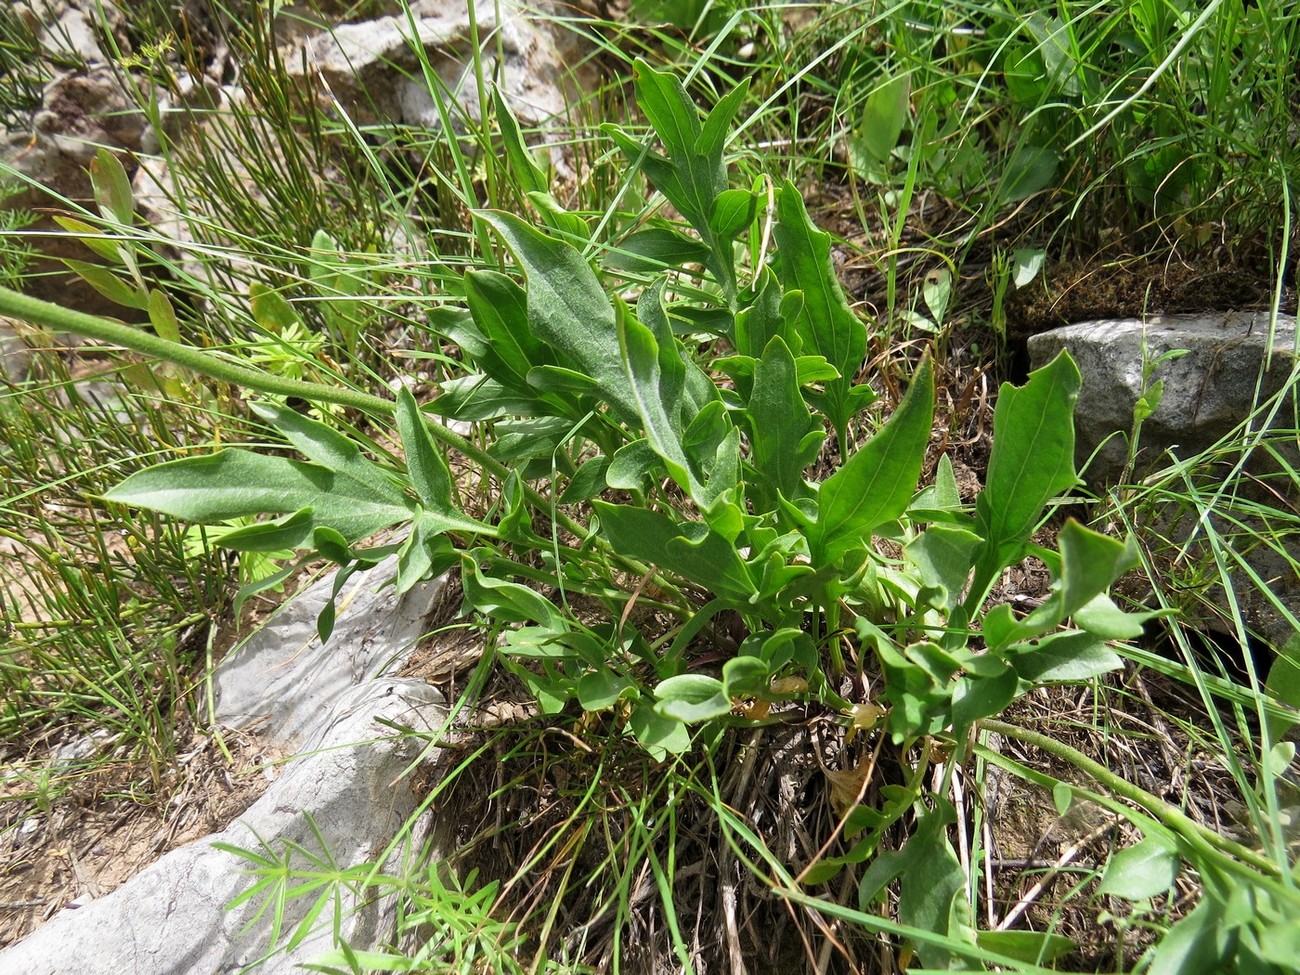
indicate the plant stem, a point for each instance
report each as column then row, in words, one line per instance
column 48, row 315
column 1170, row 816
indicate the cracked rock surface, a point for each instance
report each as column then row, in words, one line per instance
column 342, row 799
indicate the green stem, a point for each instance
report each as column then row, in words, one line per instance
column 1172, row 817
column 47, row 315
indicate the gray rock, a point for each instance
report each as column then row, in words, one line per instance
column 73, row 27
column 171, row 918
column 1207, row 392
column 85, row 110
column 48, row 172
column 14, row 356
column 281, row 680
column 373, row 71
column 342, row 800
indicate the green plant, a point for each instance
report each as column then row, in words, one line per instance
column 1167, row 122
column 98, row 611
column 713, row 456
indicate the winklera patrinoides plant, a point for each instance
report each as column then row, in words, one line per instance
column 658, row 413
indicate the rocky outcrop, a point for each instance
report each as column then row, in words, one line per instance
column 343, row 800
column 374, row 70
column 1225, row 427
column 1215, row 368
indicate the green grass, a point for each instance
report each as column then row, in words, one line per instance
column 106, row 617
column 949, row 133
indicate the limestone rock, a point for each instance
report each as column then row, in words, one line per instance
column 14, row 356
column 171, row 918
column 373, row 70
column 343, row 798
column 281, row 680
column 1207, row 392
column 74, row 28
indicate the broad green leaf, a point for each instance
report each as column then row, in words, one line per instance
column 944, row 555
column 979, row 697
column 270, row 310
column 1102, row 618
column 661, row 171
column 560, row 220
column 763, row 319
column 278, row 535
column 1029, row 169
column 1034, row 947
column 932, row 894
column 709, row 560
column 541, row 643
column 722, row 475
column 1284, row 684
column 1026, row 263
column 523, row 166
column 918, row 682
column 567, row 308
column 504, row 600
column 936, row 290
column 631, row 466
column 692, row 698
column 322, row 444
column 733, row 211
column 655, row 251
column 744, row 677
column 430, row 474
column 559, row 382
column 112, row 188
column 717, row 126
column 93, row 237
column 1002, row 628
column 500, row 311
column 876, row 483
column 162, row 316
column 331, row 544
column 940, row 500
column 235, row 483
column 1062, row 797
column 696, row 179
column 516, row 521
column 669, row 108
column 519, row 440
column 825, row 324
column 108, row 284
column 1090, row 563
column 1069, row 656
column 476, row 397
column 883, row 116
column 658, row 734
column 670, row 381
column 1193, row 946
column 426, row 553
column 1142, row 871
column 1032, row 462
column 337, row 277
column 601, row 688
column 780, row 424
column 652, row 393
column 690, row 389
column 587, row 481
